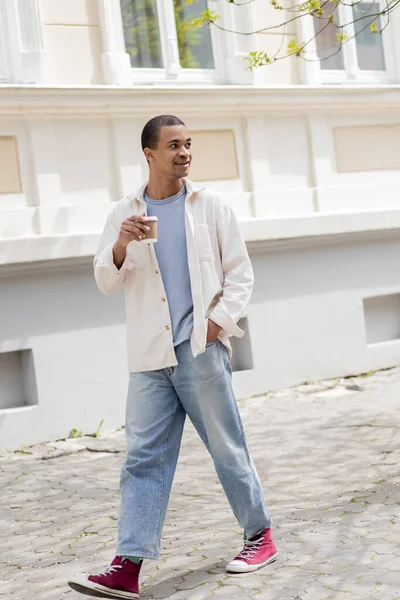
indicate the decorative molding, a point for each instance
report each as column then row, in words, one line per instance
column 257, row 144
column 30, row 61
column 259, row 234
column 44, row 156
column 115, row 61
column 191, row 102
column 4, row 50
column 327, row 239
column 30, row 26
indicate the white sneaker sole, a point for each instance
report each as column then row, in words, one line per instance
column 245, row 568
column 84, row 586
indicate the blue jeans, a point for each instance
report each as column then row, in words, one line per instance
column 157, row 405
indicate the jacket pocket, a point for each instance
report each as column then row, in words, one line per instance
column 139, row 254
column 204, row 244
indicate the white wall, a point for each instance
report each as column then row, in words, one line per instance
column 306, row 317
column 306, row 321
column 77, row 337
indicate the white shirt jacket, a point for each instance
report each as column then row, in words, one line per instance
column 220, row 272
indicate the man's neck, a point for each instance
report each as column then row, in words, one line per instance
column 158, row 189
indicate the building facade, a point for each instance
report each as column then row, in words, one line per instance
column 307, row 153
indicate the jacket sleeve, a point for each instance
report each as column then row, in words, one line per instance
column 237, row 270
column 108, row 278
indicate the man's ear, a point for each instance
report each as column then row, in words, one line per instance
column 148, row 154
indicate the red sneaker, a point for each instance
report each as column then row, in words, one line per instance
column 119, row 580
column 257, row 552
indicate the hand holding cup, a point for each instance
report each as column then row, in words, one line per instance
column 133, row 229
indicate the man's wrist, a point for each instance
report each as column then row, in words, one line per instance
column 118, row 247
column 119, row 253
column 216, row 325
column 213, row 331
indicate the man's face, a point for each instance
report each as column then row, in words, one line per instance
column 173, row 154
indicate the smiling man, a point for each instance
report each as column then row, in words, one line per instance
column 184, row 297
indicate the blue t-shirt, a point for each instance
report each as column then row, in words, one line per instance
column 171, row 255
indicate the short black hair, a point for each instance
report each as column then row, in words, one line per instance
column 151, row 130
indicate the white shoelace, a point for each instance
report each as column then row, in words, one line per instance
column 250, row 548
column 111, row 569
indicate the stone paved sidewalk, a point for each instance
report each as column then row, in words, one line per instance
column 328, row 456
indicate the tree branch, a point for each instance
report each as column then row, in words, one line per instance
column 303, row 10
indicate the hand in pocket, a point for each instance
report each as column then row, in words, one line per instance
column 212, row 332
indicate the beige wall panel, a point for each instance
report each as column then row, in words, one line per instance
column 367, row 148
column 75, row 54
column 10, row 180
column 214, row 156
column 284, row 71
column 69, row 12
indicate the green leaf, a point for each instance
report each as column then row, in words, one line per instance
column 21, row 450
column 257, row 58
column 312, row 7
column 207, row 17
column 295, row 47
column 342, row 37
column 373, row 28
column 75, row 433
column 97, row 434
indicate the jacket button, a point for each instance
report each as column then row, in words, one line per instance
column 157, row 271
column 163, row 299
column 143, row 214
column 167, row 327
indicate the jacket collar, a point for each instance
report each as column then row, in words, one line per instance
column 191, row 187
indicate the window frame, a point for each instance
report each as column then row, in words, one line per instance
column 351, row 73
column 172, row 71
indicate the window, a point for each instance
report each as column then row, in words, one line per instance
column 363, row 57
column 142, row 33
column 18, row 380
column 369, row 45
column 160, row 45
column 328, row 46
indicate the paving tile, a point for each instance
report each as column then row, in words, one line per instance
column 328, row 460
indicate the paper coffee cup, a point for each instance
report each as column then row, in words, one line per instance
column 152, row 235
